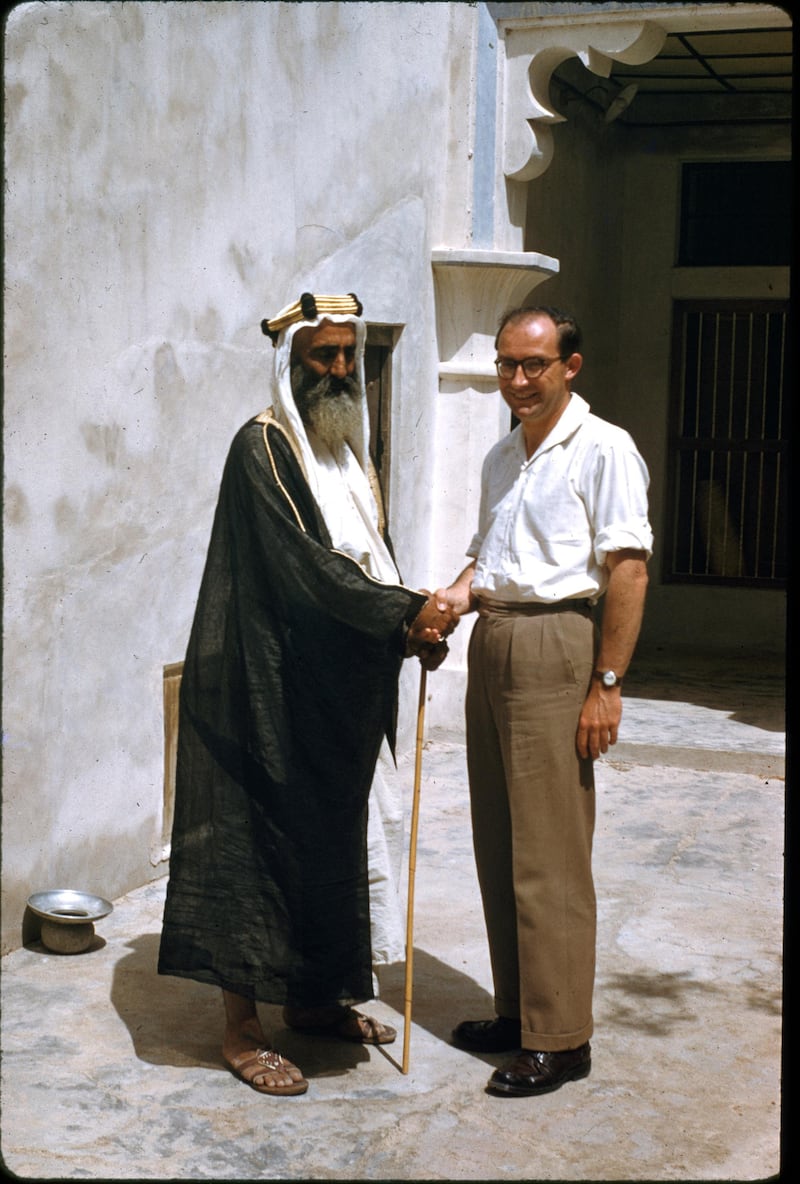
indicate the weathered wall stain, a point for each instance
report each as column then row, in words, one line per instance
column 160, row 159
column 15, row 505
column 104, row 441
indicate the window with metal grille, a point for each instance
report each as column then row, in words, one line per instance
column 728, row 443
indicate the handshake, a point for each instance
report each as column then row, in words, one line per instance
column 427, row 633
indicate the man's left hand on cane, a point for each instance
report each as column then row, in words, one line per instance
column 432, row 656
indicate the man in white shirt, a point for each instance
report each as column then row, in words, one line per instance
column 563, row 521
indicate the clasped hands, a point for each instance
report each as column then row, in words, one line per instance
column 429, row 629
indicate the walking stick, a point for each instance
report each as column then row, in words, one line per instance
column 412, row 867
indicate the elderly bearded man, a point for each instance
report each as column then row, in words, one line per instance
column 288, row 692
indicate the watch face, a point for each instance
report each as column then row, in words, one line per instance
column 609, row 678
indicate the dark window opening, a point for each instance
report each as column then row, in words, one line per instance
column 736, row 214
column 378, row 378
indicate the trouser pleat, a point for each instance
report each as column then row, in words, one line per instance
column 533, row 805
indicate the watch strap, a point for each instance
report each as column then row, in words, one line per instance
column 599, row 675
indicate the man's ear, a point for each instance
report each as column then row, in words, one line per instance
column 573, row 365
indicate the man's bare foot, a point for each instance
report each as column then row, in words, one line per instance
column 248, row 1053
column 341, row 1021
column 246, row 1049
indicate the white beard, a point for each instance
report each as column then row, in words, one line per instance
column 335, row 416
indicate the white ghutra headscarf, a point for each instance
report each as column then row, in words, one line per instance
column 341, row 484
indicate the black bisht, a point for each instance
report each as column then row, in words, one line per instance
column 289, row 686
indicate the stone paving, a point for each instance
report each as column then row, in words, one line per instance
column 110, row 1072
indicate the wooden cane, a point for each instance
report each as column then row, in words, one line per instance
column 412, row 867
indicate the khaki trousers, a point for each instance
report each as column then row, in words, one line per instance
column 532, row 800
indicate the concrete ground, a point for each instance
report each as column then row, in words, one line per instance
column 110, row 1072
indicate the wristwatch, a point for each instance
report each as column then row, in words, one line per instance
column 608, row 678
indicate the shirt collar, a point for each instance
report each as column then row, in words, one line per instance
column 574, row 415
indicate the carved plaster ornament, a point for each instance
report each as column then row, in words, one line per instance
column 533, row 54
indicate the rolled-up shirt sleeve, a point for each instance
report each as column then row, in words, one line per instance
column 617, row 500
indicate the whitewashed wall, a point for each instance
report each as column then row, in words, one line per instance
column 175, row 172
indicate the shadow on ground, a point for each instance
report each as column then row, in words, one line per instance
column 442, row 996
column 750, row 692
column 179, row 1022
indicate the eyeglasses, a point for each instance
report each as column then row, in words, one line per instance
column 531, row 367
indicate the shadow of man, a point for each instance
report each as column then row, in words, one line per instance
column 179, row 1022
column 442, row 996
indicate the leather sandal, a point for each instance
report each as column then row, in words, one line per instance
column 364, row 1029
column 348, row 1025
column 265, row 1062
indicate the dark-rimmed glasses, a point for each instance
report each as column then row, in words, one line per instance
column 531, row 367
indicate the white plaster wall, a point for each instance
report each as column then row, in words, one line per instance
column 175, row 172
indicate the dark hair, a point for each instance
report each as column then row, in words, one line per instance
column 569, row 333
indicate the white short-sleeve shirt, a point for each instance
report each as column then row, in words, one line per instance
column 547, row 523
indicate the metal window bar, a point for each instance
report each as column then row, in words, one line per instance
column 779, row 467
column 728, row 473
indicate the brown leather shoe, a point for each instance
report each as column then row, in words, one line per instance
column 540, row 1072
column 498, row 1035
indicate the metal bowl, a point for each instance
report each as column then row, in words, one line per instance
column 69, row 907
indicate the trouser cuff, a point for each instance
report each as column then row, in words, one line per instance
column 539, row 1042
